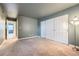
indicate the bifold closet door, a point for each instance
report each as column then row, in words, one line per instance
column 61, row 29
column 55, row 29
column 50, row 29
column 43, row 29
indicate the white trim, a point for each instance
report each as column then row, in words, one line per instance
column 71, row 45
column 29, row 37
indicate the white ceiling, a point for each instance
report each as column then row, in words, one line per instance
column 35, row 10
column 38, row 10
column 11, row 9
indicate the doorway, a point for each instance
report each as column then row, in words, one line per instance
column 11, row 30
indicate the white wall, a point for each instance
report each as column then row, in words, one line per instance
column 2, row 24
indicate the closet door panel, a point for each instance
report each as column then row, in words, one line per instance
column 57, row 29
column 64, row 28
column 48, row 29
column 61, row 33
column 52, row 29
column 43, row 29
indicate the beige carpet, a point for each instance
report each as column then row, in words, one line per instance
column 35, row 47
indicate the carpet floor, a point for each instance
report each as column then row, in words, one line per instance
column 36, row 47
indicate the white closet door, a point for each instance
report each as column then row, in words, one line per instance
column 55, row 29
column 52, row 30
column 56, row 21
column 48, row 29
column 64, row 27
column 61, row 27
column 43, row 29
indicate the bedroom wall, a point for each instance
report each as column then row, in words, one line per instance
column 72, row 12
column 27, row 27
column 2, row 24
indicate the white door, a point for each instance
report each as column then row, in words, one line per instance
column 48, row 29
column 43, row 29
column 56, row 29
column 61, row 29
column 11, row 30
column 52, row 29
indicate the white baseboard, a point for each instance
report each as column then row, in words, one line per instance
column 30, row 37
column 71, row 45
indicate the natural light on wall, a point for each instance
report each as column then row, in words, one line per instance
column 75, row 21
column 11, row 9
